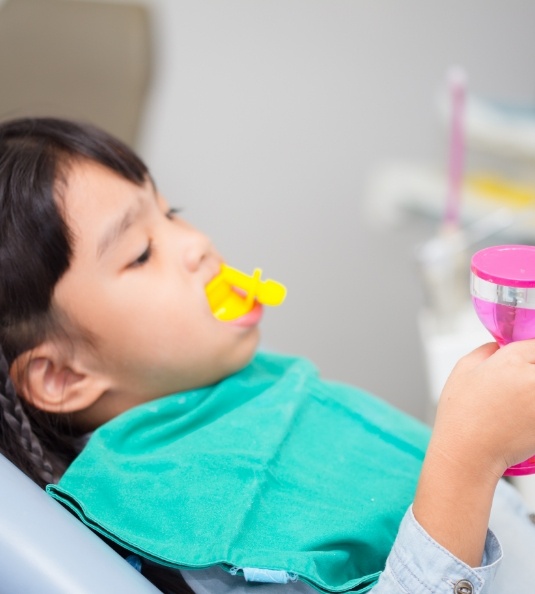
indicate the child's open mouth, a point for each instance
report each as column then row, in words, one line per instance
column 236, row 297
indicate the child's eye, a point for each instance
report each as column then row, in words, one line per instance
column 172, row 212
column 143, row 258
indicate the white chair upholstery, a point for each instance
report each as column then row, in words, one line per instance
column 46, row 550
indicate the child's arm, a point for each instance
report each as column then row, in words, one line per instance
column 485, row 423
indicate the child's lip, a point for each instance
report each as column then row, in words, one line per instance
column 251, row 318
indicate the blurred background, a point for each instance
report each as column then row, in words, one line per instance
column 307, row 137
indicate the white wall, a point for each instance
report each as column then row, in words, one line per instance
column 266, row 120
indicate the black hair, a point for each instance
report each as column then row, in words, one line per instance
column 36, row 248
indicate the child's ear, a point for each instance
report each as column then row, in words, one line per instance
column 55, row 382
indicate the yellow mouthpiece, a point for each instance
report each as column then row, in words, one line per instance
column 232, row 293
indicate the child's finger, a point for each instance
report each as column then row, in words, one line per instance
column 523, row 348
column 479, row 354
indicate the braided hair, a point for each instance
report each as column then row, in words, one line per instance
column 18, row 441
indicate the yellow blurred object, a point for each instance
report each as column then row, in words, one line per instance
column 232, row 293
column 511, row 194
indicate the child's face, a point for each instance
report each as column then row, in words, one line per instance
column 137, row 283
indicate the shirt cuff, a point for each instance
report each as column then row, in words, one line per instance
column 419, row 565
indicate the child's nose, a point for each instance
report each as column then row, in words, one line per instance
column 198, row 247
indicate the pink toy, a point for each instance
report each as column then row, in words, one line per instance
column 502, row 285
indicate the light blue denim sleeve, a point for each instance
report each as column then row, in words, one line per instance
column 417, row 564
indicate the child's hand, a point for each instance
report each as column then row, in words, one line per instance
column 485, row 423
column 486, row 414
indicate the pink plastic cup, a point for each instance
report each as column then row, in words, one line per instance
column 502, row 285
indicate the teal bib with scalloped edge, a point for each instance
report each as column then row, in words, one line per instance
column 271, row 469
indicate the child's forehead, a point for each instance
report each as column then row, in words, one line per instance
column 90, row 185
column 98, row 204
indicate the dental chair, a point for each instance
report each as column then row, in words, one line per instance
column 81, row 59
column 46, row 550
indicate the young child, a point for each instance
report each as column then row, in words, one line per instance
column 203, row 456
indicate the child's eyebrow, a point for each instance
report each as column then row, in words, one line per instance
column 114, row 231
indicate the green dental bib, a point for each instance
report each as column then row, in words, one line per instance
column 272, row 468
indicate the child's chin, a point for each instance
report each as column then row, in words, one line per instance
column 247, row 354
